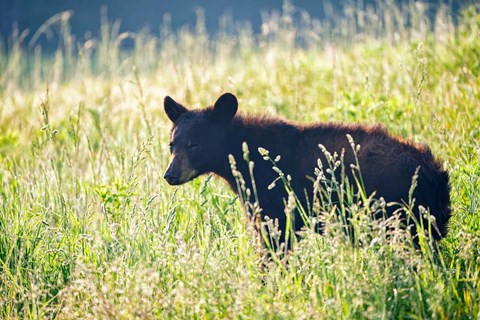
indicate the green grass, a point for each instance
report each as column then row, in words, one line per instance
column 89, row 229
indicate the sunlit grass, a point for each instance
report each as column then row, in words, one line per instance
column 89, row 229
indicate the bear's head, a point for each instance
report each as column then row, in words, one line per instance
column 198, row 139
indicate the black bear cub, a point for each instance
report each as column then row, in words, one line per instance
column 202, row 140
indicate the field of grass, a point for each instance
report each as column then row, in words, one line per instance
column 89, row 228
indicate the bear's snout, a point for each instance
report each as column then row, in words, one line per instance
column 179, row 171
column 171, row 179
column 171, row 175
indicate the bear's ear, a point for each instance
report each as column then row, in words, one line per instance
column 225, row 107
column 173, row 109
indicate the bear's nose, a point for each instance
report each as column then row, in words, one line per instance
column 171, row 179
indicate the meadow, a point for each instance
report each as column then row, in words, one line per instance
column 89, row 229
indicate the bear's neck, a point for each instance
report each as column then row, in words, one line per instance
column 277, row 136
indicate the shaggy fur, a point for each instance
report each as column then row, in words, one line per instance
column 204, row 139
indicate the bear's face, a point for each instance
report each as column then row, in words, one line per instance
column 197, row 138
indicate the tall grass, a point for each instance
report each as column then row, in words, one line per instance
column 89, row 229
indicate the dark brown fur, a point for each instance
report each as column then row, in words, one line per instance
column 387, row 163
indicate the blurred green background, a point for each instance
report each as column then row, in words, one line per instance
column 135, row 15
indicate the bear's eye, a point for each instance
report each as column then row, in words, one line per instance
column 193, row 147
